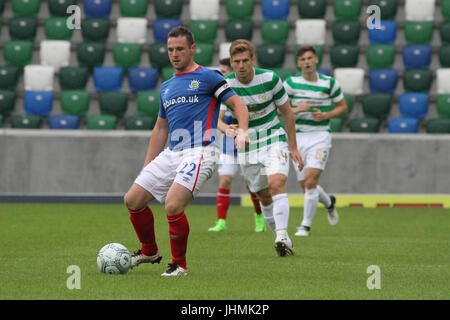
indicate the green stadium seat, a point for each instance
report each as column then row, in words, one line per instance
column 91, row 54
column 22, row 28
column 347, row 9
column 23, row 121
column 113, row 102
column 417, row 80
column 380, row 56
column 1, row 121
column 444, row 56
column 418, row 32
column 95, row 29
column 101, row 122
column 350, row 102
column 73, row 78
column 369, row 125
column 26, row 8
column 204, row 54
column 444, row 32
column 388, row 8
column 158, row 55
column 445, row 7
column 284, row 73
column 344, row 56
column 9, row 76
column 56, row 29
column 240, row 9
column 58, row 8
column 275, row 31
column 139, row 123
column 346, row 32
column 377, row 105
column 127, row 55
column 336, row 124
column 443, row 105
column 270, row 55
column 319, row 53
column 2, row 7
column 167, row 73
column 312, row 9
column 438, row 125
column 133, row 8
column 18, row 52
column 75, row 102
column 7, row 102
column 147, row 103
column 168, row 9
column 204, row 31
column 238, row 29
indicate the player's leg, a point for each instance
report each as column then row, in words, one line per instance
column 222, row 203
column 311, row 199
column 260, row 225
column 266, row 203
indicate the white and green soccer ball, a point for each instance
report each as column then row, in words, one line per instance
column 114, row 258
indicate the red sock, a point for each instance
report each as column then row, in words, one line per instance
column 179, row 232
column 256, row 203
column 223, row 202
column 144, row 225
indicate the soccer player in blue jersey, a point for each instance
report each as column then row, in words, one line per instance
column 188, row 116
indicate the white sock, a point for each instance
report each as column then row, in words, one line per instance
column 310, row 206
column 281, row 211
column 267, row 211
column 324, row 198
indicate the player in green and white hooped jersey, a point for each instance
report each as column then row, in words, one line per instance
column 265, row 164
column 312, row 96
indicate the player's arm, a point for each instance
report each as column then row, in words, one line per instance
column 340, row 109
column 158, row 140
column 241, row 112
column 288, row 118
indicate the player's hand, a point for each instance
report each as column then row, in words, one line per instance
column 302, row 107
column 319, row 115
column 242, row 140
column 297, row 158
column 232, row 130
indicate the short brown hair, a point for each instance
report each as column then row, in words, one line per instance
column 240, row 46
column 303, row 49
column 182, row 31
column 225, row 62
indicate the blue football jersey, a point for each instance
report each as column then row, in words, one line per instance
column 228, row 146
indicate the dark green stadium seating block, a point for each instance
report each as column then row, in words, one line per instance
column 347, row 9
column 344, row 56
column 167, row 73
column 377, row 105
column 439, row 125
column 2, row 6
column 204, row 54
column 139, row 123
column 73, row 78
column 9, row 76
column 275, row 31
column 101, row 122
column 445, row 7
column 417, row 80
column 370, row 125
column 319, row 53
column 336, row 124
column 91, row 54
column 238, row 29
column 1, row 121
column 133, row 8
column 56, row 29
column 346, row 32
column 240, row 9
column 443, row 105
column 158, row 55
column 312, row 9
column 127, row 55
column 147, row 103
column 204, row 31
column 444, row 32
column 444, row 56
column 168, row 9
column 75, row 102
column 270, row 55
column 22, row 121
column 349, row 100
column 95, row 29
column 18, row 52
column 7, row 102
column 380, row 56
column 59, row 7
column 388, row 8
column 22, row 28
column 26, row 8
column 284, row 73
column 418, row 32
column 113, row 102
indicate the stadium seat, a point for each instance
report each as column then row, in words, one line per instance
column 275, row 31
column 7, row 102
column 312, row 9
column 147, row 103
column 2, row 6
column 139, row 123
column 413, row 105
column 127, row 55
column 336, row 124
column 55, row 53
column 344, row 56
column 204, row 54
column 403, row 125
column 385, row 35
column 9, row 76
column 38, row 103
column 365, row 125
column 168, row 9
column 270, row 55
column 326, row 72
column 97, row 8
column 347, row 9
column 63, row 121
column 445, row 8
column 346, row 32
column 416, row 56
column 73, row 78
column 444, row 32
column 284, row 73
column 38, row 77
column 161, row 27
column 167, row 73
column 377, row 105
column 380, row 56
column 238, row 29
column 443, row 80
column 204, row 30
column 101, row 122
column 417, row 80
column 91, row 54
column 56, row 29
column 275, row 9
column 439, row 125
column 388, row 8
column 18, row 53
column 22, row 28
column 58, row 8
column 444, row 56
column 133, row 8
column 419, row 10
column 443, row 105
column 141, row 78
column 351, row 80
column 310, row 31
column 199, row 11
column 158, row 55
column 418, row 32
column 95, row 29
column 113, row 102
column 240, row 9
column 224, row 50
column 22, row 121
column 133, row 30
column 25, row 8
column 108, row 78
column 349, row 101
column 75, row 102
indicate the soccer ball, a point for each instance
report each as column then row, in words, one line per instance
column 114, row 258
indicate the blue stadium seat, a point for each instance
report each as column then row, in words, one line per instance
column 275, row 9
column 326, row 72
column 108, row 78
column 385, row 35
column 413, row 105
column 403, row 125
column 97, row 8
column 383, row 80
column 38, row 103
column 416, row 56
column 142, row 78
column 161, row 27
column 64, row 121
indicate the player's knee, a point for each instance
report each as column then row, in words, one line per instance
column 310, row 184
column 264, row 197
column 172, row 208
column 277, row 187
column 131, row 202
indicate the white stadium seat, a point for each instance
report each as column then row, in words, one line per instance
column 224, row 50
column 443, row 80
column 55, row 53
column 38, row 77
column 310, row 31
column 419, row 10
column 204, row 10
column 131, row 30
column 350, row 79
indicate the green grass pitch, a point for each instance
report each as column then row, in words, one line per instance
column 410, row 247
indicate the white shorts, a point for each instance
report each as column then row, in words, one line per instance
column 257, row 165
column 189, row 168
column 228, row 165
column 314, row 147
